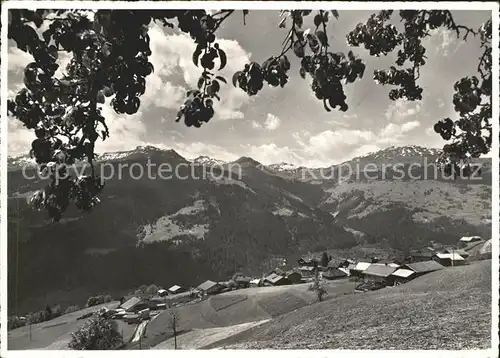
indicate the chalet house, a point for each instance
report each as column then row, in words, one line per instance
column 346, row 270
column 424, row 254
column 134, row 304
column 175, row 289
column 340, row 263
column 378, row 272
column 210, row 288
column 294, row 276
column 307, row 271
column 243, row 281
column 277, row 280
column 162, row 292
column 464, row 241
column 334, row 274
column 308, row 261
column 401, row 276
column 461, row 252
column 446, row 259
column 277, row 271
column 359, row 268
column 388, row 263
column 256, row 282
column 423, row 267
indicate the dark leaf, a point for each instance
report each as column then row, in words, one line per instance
column 201, row 82
column 235, row 78
column 223, row 59
column 302, row 72
column 326, row 106
column 215, row 86
column 325, row 16
column 318, row 20
column 335, row 13
column 222, row 79
column 298, row 49
column 196, row 55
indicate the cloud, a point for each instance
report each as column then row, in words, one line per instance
column 272, row 153
column 256, row 124
column 400, row 110
column 126, row 132
column 20, row 138
column 17, row 59
column 271, row 123
column 393, row 131
column 172, row 60
column 445, row 41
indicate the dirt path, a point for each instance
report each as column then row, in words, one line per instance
column 200, row 338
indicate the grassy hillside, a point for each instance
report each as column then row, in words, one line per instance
column 55, row 333
column 241, row 306
column 447, row 309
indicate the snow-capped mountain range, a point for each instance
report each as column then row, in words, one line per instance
column 390, row 153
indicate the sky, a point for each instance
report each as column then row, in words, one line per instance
column 279, row 124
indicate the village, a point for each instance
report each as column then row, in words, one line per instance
column 369, row 275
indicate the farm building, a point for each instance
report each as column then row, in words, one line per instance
column 423, row 267
column 294, row 276
column 134, row 304
column 307, row 261
column 340, row 263
column 461, row 252
column 401, row 276
column 379, row 273
column 277, row 271
column 334, row 274
column 210, row 288
column 243, row 281
column 346, row 270
column 469, row 239
column 359, row 268
column 175, row 289
column 256, row 282
column 277, row 280
column 446, row 259
column 388, row 263
column 307, row 271
column 424, row 254
column 162, row 292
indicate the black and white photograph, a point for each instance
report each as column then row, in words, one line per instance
column 251, row 176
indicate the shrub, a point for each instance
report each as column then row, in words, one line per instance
column 317, row 287
column 96, row 334
column 14, row 322
column 70, row 309
column 98, row 300
column 152, row 290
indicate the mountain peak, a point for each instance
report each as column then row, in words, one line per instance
column 139, row 152
column 247, row 160
column 283, row 166
column 206, row 160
